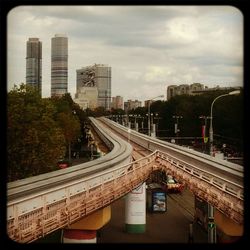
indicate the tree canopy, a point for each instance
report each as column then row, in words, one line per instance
column 34, row 140
column 39, row 131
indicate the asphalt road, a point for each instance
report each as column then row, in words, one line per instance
column 169, row 227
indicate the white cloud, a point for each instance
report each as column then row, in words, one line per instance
column 148, row 47
column 182, row 30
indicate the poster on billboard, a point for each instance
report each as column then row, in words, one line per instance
column 159, row 201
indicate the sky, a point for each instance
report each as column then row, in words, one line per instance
column 147, row 47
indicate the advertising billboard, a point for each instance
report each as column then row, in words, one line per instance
column 159, row 203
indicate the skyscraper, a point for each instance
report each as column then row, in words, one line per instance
column 99, row 76
column 34, row 63
column 59, row 65
column 117, row 102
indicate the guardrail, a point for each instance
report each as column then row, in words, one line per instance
column 42, row 204
column 35, row 205
column 221, row 193
column 228, row 170
column 217, row 181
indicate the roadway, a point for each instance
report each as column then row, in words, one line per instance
column 73, row 192
column 169, row 227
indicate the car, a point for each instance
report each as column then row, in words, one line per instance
column 63, row 163
column 171, row 185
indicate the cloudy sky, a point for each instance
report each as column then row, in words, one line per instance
column 148, row 47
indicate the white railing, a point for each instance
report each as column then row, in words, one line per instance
column 40, row 205
column 57, row 208
column 223, row 194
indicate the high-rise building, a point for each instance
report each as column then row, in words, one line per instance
column 34, row 63
column 184, row 89
column 130, row 104
column 59, row 65
column 117, row 102
column 86, row 97
column 99, row 76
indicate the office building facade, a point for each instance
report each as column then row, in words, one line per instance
column 99, row 76
column 131, row 104
column 59, row 65
column 117, row 102
column 86, row 97
column 184, row 89
column 34, row 63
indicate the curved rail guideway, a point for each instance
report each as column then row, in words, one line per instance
column 39, row 205
column 219, row 182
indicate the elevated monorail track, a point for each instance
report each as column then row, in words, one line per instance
column 34, row 204
column 39, row 205
column 227, row 170
column 219, row 182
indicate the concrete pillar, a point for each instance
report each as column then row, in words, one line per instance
column 135, row 210
column 84, row 230
column 153, row 131
column 136, row 127
column 79, row 236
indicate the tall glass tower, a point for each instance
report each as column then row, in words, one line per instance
column 34, row 63
column 59, row 65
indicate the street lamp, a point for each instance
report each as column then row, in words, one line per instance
column 149, row 102
column 212, row 229
column 176, row 130
column 236, row 92
column 204, row 138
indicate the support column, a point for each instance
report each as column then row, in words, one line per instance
column 79, row 236
column 136, row 127
column 153, row 131
column 135, row 210
column 85, row 230
column 211, row 225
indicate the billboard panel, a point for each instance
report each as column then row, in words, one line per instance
column 159, row 203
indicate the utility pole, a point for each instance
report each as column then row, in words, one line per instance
column 211, row 224
column 149, row 102
column 176, row 129
column 204, row 131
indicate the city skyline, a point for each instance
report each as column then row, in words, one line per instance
column 147, row 47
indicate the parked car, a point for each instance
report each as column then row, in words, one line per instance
column 171, row 185
column 63, row 163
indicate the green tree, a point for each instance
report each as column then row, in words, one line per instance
column 34, row 140
column 71, row 128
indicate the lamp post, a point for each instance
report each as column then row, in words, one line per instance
column 204, row 131
column 211, row 225
column 176, row 126
column 149, row 102
column 211, row 138
column 74, row 113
